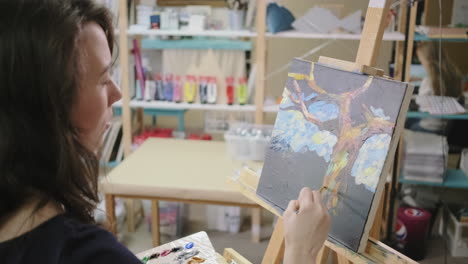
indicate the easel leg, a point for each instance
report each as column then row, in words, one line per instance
column 155, row 222
column 342, row 259
column 322, row 257
column 275, row 250
column 111, row 224
column 376, row 227
column 256, row 224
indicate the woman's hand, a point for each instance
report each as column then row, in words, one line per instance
column 306, row 226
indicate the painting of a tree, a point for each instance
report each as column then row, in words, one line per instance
column 333, row 129
column 348, row 147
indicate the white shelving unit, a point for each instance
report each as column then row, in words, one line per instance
column 260, row 36
column 182, row 106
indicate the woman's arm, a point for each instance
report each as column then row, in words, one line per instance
column 306, row 226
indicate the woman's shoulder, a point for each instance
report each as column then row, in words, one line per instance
column 65, row 240
column 92, row 244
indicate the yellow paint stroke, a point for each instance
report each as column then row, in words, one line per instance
column 319, row 138
column 311, row 75
column 370, row 171
column 335, row 201
column 298, row 76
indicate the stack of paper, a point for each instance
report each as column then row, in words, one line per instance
column 439, row 105
column 322, row 20
column 425, row 157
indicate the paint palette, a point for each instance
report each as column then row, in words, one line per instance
column 193, row 249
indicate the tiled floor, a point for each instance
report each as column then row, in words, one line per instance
column 141, row 240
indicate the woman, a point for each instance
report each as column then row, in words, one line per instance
column 443, row 79
column 56, row 94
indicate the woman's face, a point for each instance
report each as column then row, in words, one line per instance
column 92, row 110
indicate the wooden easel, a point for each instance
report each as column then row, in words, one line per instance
column 375, row 252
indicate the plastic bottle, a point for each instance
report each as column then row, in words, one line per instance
column 168, row 87
column 190, row 89
column 242, row 91
column 202, row 90
column 177, row 97
column 230, row 90
column 212, row 93
column 159, row 94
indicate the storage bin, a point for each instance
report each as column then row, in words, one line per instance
column 457, row 235
column 247, row 141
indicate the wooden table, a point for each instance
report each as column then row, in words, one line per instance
column 184, row 171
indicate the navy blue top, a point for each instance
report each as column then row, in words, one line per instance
column 64, row 240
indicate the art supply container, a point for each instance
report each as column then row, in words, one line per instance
column 242, row 91
column 230, row 90
column 248, row 141
column 203, row 90
column 190, row 89
column 177, row 97
column 212, row 90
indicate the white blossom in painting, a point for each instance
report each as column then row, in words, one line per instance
column 370, row 161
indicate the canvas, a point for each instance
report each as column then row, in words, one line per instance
column 336, row 129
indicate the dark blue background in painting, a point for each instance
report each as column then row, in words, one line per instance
column 285, row 173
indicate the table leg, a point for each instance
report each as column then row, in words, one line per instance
column 256, row 224
column 155, row 222
column 111, row 223
column 130, row 208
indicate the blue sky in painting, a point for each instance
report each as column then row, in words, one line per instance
column 324, row 111
column 293, row 133
column 370, row 161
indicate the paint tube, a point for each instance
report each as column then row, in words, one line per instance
column 190, row 89
column 168, row 87
column 202, row 90
column 159, row 94
column 242, row 91
column 230, row 90
column 177, row 90
column 212, row 92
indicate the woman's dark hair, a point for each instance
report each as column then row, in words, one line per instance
column 445, row 77
column 40, row 151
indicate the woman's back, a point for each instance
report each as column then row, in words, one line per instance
column 62, row 239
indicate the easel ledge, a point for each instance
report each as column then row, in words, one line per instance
column 376, row 251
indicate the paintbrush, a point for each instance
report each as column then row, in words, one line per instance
column 323, row 188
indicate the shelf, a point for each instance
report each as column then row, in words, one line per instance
column 454, row 179
column 110, row 164
column 271, row 108
column 389, row 36
column 182, row 106
column 393, row 36
column 427, row 115
column 215, row 44
column 204, row 33
column 422, row 37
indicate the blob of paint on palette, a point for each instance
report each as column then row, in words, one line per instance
column 189, row 245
